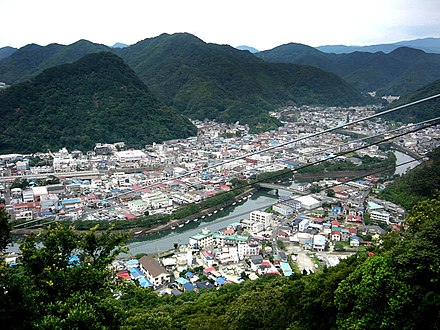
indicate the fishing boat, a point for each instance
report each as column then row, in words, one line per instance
column 195, row 220
column 180, row 226
column 203, row 216
column 215, row 211
column 172, row 228
column 138, row 232
column 209, row 214
column 234, row 203
column 187, row 221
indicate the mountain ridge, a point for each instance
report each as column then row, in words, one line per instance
column 401, row 71
column 429, row 45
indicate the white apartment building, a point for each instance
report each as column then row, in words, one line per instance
column 262, row 217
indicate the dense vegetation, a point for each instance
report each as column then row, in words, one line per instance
column 402, row 71
column 217, row 81
column 424, row 111
column 96, row 99
column 418, row 184
column 202, row 80
column 395, row 287
column 368, row 163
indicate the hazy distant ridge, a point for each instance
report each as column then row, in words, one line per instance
column 429, row 45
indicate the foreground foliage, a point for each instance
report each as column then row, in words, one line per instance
column 418, row 184
column 394, row 286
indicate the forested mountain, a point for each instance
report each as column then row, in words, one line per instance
column 419, row 184
column 429, row 45
column 423, row 111
column 202, row 80
column 217, row 81
column 96, row 99
column 6, row 51
column 32, row 59
column 402, row 71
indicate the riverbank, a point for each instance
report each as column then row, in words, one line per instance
column 141, row 232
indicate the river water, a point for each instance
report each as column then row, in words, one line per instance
column 403, row 158
column 165, row 241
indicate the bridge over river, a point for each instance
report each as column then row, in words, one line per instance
column 280, row 187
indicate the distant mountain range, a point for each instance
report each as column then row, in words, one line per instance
column 428, row 45
column 201, row 80
column 95, row 99
column 119, row 45
column 249, row 48
column 402, row 71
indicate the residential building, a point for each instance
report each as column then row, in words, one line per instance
column 154, row 271
column 283, row 209
column 262, row 217
column 380, row 216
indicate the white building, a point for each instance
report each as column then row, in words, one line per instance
column 302, row 226
column 252, row 226
column 380, row 216
column 129, row 156
column 308, row 202
column 137, row 205
column 260, row 216
column 283, row 209
column 201, row 240
column 319, row 242
column 157, row 200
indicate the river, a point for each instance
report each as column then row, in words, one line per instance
column 165, row 240
column 403, row 158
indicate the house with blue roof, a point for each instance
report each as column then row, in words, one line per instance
column 144, row 282
column 189, row 287
column 220, row 280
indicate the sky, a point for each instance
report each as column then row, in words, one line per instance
column 260, row 24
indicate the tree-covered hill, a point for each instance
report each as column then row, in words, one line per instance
column 218, row 81
column 424, row 111
column 418, row 184
column 202, row 80
column 96, row 99
column 402, row 71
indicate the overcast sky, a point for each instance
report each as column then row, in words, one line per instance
column 261, row 24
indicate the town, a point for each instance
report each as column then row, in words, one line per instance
column 322, row 219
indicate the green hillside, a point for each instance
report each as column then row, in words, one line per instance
column 423, row 111
column 202, row 80
column 218, row 81
column 96, row 99
column 401, row 71
column 419, row 184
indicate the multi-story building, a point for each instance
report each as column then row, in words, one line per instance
column 262, row 217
